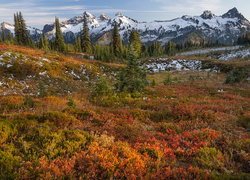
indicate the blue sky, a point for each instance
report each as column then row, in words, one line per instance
column 39, row 12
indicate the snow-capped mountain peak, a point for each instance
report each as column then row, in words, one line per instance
column 234, row 13
column 207, row 27
column 7, row 26
column 104, row 17
column 207, row 15
column 122, row 20
column 224, row 29
column 10, row 28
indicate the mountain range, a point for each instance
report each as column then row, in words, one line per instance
column 207, row 27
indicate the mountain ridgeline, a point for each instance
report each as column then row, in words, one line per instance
column 206, row 28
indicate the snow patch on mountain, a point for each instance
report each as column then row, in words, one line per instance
column 239, row 54
column 226, row 28
column 163, row 64
column 11, row 28
column 208, row 50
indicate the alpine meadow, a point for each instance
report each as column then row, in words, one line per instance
column 88, row 92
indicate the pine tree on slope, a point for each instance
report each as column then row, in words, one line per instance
column 116, row 43
column 85, row 37
column 59, row 44
column 135, row 42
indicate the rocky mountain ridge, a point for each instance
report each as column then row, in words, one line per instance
column 224, row 29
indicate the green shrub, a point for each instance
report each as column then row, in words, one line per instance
column 237, row 75
column 71, row 103
column 210, row 158
column 65, row 142
column 153, row 83
column 61, row 120
column 8, row 165
column 101, row 88
column 22, row 70
column 238, row 176
column 168, row 79
column 42, row 91
column 5, row 131
column 29, row 102
column 159, row 116
column 244, row 121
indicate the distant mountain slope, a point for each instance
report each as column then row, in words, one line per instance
column 207, row 27
column 9, row 28
column 224, row 29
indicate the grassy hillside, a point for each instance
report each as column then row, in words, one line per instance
column 185, row 125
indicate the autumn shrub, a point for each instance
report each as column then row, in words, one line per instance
column 210, row 158
column 53, row 103
column 118, row 160
column 8, row 103
column 129, row 132
column 158, row 116
column 176, row 173
column 165, row 126
column 54, row 69
column 65, row 143
column 158, row 152
column 187, row 143
column 22, row 70
column 79, row 113
column 9, row 165
column 5, row 131
column 230, row 176
column 60, row 119
column 103, row 158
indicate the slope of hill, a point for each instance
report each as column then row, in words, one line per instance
column 186, row 124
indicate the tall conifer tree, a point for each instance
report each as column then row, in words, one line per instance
column 21, row 33
column 85, row 37
column 116, row 43
column 135, row 42
column 59, row 44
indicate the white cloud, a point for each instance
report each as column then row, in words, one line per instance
column 189, row 6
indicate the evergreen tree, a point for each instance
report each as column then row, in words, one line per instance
column 17, row 28
column 78, row 47
column 135, row 42
column 44, row 43
column 244, row 39
column 59, row 44
column 2, row 34
column 170, row 48
column 116, row 42
column 21, row 32
column 103, row 53
column 155, row 49
column 85, row 37
column 25, row 39
column 133, row 77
